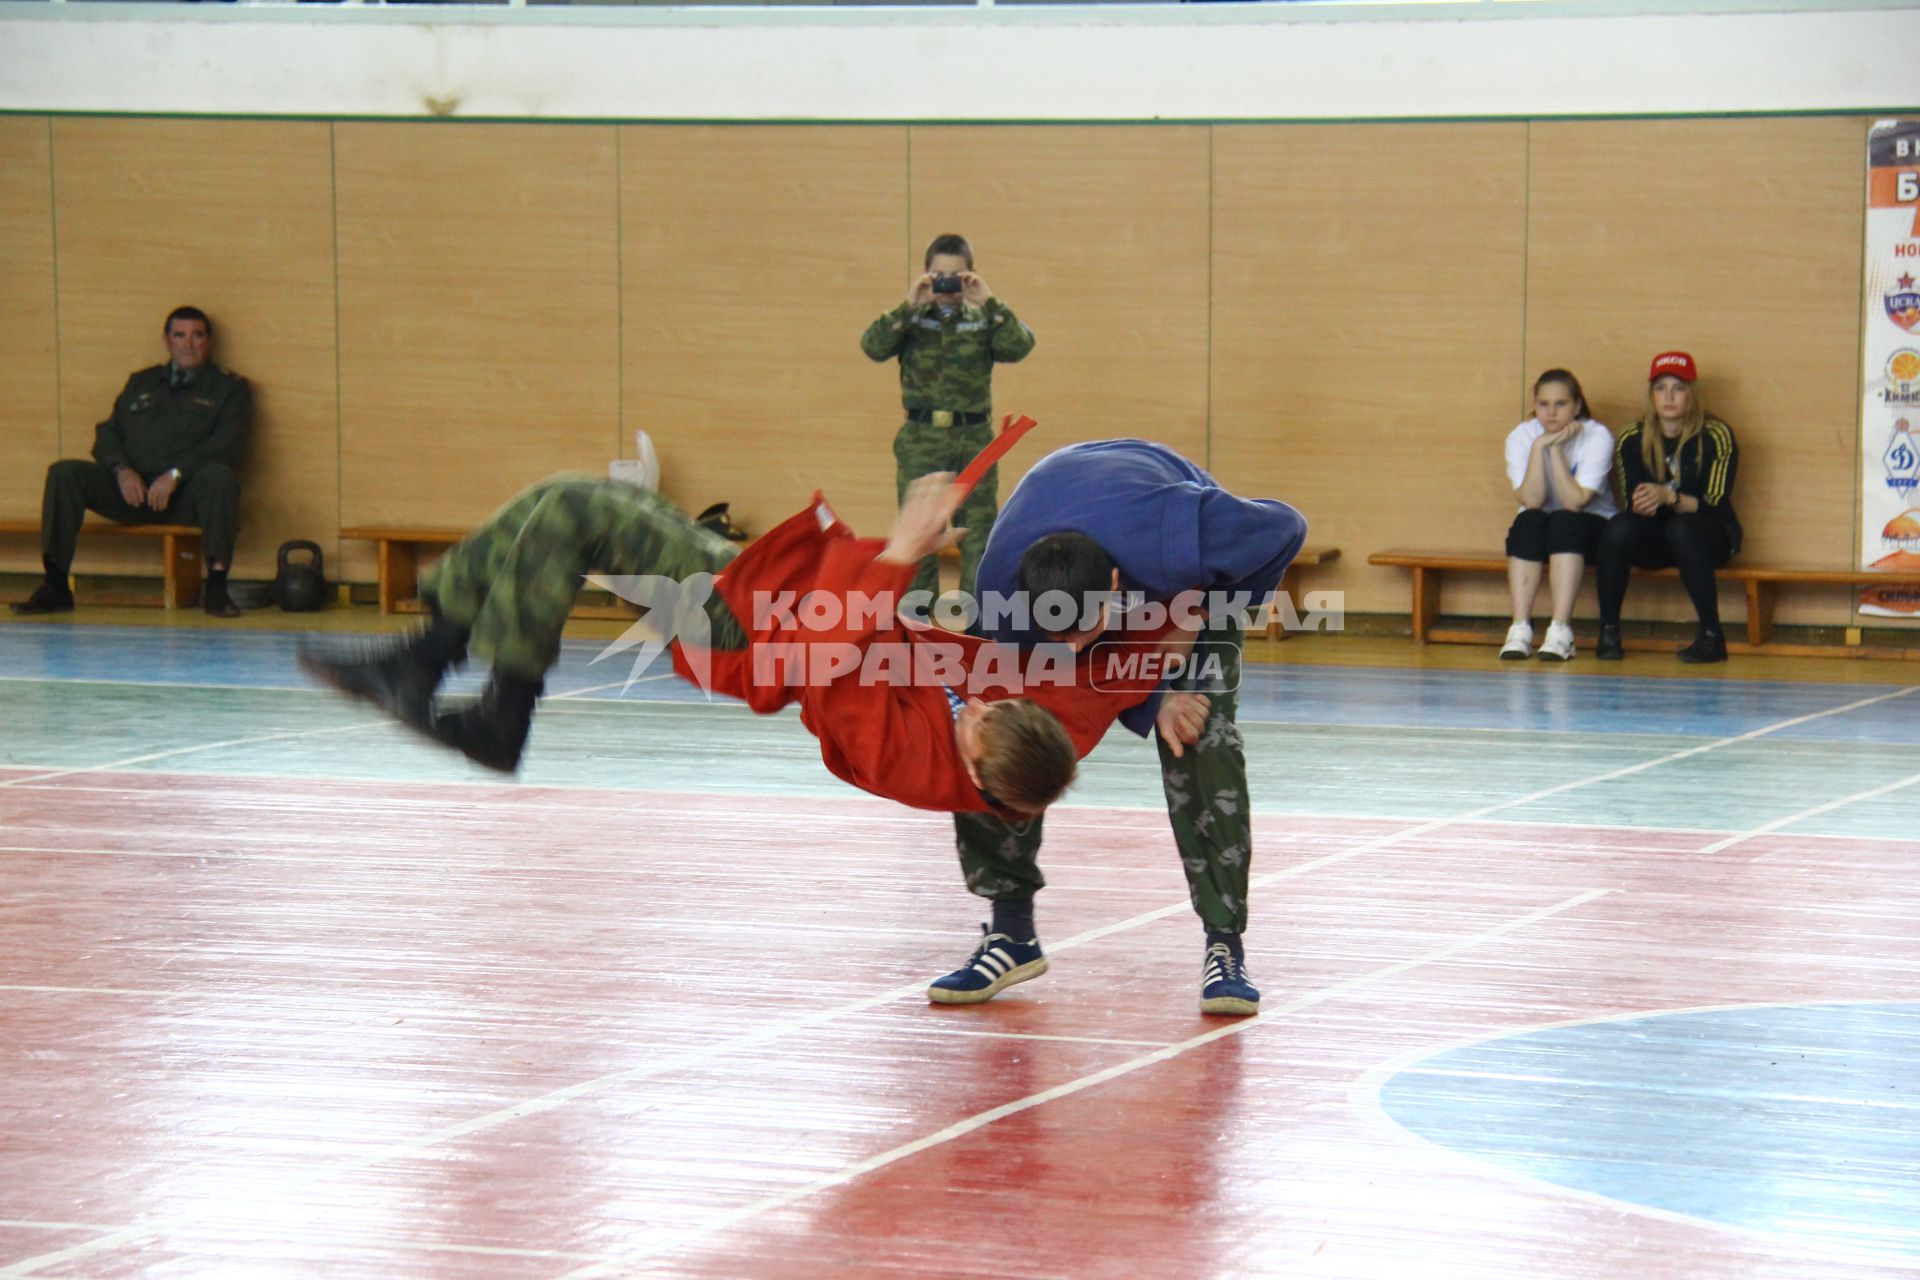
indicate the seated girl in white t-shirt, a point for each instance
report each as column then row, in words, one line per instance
column 1560, row 463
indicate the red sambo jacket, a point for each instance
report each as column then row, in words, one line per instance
column 872, row 687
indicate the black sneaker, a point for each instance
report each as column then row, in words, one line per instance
column 218, row 604
column 46, row 598
column 1225, row 988
column 1708, row 646
column 1608, row 647
column 996, row 964
column 384, row 672
column 492, row 732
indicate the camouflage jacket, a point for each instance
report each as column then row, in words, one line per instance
column 156, row 426
column 947, row 358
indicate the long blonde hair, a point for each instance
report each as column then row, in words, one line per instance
column 1653, row 437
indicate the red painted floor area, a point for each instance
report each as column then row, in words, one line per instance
column 260, row 1029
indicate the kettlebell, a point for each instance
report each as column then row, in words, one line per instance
column 301, row 584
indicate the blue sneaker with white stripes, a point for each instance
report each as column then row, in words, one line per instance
column 996, row 964
column 1224, row 985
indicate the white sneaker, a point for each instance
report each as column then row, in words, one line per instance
column 1519, row 641
column 1558, row 646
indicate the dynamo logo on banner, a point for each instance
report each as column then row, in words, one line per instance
column 1902, row 459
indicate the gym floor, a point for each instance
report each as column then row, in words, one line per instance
column 1568, row 971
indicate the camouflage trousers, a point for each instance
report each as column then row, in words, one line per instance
column 1207, row 803
column 919, row 449
column 513, row 580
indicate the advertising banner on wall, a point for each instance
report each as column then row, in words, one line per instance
column 1890, row 374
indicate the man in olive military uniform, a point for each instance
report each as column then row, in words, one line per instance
column 948, row 334
column 166, row 453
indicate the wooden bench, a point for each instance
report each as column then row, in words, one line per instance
column 180, row 568
column 1761, row 582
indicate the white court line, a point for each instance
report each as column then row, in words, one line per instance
column 374, row 721
column 1769, row 827
column 694, row 1057
column 468, row 1012
column 166, row 684
column 746, row 1213
column 1034, row 1035
column 720, row 702
column 35, row 778
column 1435, row 824
column 365, row 1242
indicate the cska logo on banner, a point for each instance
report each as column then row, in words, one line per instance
column 1903, row 303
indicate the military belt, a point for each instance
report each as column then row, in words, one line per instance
column 946, row 417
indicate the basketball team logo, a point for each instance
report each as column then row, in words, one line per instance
column 1901, row 541
column 1902, row 459
column 1903, row 303
column 1903, row 377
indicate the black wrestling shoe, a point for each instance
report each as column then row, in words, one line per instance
column 492, row 731
column 218, row 604
column 1225, row 988
column 996, row 964
column 1708, row 646
column 46, row 598
column 387, row 673
column 1609, row 648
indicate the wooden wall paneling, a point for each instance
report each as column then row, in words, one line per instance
column 29, row 376
column 752, row 259
column 1367, row 319
column 232, row 216
column 479, row 315
column 1738, row 240
column 1096, row 236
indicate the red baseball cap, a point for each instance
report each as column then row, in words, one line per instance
column 1673, row 364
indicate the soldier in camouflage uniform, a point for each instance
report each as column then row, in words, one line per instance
column 948, row 334
column 166, row 453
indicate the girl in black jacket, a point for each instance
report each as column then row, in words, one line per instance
column 1674, row 468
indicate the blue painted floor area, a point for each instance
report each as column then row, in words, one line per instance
column 1338, row 741
column 1798, row 1120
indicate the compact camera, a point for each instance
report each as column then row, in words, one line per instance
column 947, row 284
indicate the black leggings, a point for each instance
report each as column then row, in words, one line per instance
column 1695, row 543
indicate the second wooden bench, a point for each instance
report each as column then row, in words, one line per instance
column 1761, row 582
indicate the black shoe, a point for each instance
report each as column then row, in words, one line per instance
column 386, row 673
column 1225, row 987
column 491, row 732
column 1708, row 646
column 1609, row 647
column 218, row 604
column 46, row 598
